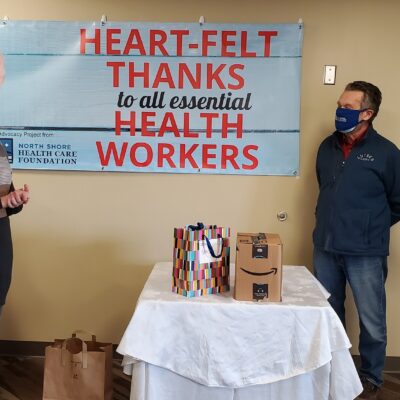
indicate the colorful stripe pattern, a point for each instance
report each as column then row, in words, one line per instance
column 195, row 266
column 190, row 255
column 210, row 231
column 206, row 273
column 199, row 284
column 190, row 278
column 201, row 292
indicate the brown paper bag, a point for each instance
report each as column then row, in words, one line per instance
column 78, row 370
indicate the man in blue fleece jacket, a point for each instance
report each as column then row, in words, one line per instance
column 358, row 173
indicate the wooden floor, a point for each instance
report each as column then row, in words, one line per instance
column 21, row 378
column 391, row 387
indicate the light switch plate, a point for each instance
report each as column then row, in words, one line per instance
column 329, row 74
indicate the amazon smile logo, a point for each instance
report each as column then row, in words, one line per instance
column 271, row 271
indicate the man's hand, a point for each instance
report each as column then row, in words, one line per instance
column 16, row 198
column 25, row 196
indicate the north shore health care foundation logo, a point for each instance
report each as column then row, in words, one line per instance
column 9, row 146
column 366, row 157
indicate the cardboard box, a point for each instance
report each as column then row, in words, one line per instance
column 258, row 267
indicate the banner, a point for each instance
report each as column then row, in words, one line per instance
column 149, row 97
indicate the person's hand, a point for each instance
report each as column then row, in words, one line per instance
column 16, row 198
column 24, row 194
column 11, row 200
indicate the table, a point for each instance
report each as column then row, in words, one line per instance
column 217, row 348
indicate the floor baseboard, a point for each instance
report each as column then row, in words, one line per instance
column 26, row 348
column 392, row 363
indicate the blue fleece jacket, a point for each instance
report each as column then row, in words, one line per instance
column 359, row 197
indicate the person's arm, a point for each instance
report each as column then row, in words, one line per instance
column 394, row 187
column 317, row 168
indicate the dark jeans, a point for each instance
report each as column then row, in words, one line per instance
column 366, row 277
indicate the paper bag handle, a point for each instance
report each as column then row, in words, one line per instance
column 210, row 248
column 81, row 331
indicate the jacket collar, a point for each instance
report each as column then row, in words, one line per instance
column 370, row 132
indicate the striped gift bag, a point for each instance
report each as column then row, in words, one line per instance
column 201, row 260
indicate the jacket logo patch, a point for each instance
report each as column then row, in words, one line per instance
column 366, row 157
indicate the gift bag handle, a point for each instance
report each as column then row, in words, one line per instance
column 197, row 227
column 84, row 352
column 210, row 248
column 83, row 332
column 200, row 226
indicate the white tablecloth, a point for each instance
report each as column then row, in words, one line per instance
column 214, row 343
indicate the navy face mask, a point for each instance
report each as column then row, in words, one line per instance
column 347, row 119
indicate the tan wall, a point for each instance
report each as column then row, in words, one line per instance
column 86, row 243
